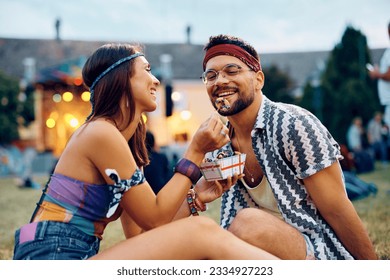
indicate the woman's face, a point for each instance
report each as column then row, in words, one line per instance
column 144, row 86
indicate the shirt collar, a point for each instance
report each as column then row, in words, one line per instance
column 261, row 116
column 260, row 119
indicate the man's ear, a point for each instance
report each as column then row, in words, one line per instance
column 259, row 80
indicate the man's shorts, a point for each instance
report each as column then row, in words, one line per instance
column 309, row 248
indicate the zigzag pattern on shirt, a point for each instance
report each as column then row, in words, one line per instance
column 234, row 200
column 290, row 144
column 308, row 152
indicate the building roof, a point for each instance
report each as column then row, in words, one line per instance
column 186, row 58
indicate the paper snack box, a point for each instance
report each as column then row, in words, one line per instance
column 219, row 169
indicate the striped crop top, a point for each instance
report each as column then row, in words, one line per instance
column 87, row 206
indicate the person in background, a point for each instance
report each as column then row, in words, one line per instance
column 98, row 179
column 28, row 156
column 158, row 171
column 292, row 200
column 382, row 74
column 363, row 156
column 355, row 135
column 377, row 133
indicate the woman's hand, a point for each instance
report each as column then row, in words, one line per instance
column 211, row 135
column 210, row 191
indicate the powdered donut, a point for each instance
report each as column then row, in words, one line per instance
column 222, row 103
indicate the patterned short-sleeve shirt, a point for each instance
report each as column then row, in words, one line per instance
column 291, row 144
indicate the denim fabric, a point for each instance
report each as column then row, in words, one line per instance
column 49, row 240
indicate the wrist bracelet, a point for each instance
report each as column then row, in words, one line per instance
column 195, row 203
column 191, row 202
column 189, row 169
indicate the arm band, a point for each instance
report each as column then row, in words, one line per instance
column 189, row 169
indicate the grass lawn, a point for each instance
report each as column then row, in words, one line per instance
column 18, row 204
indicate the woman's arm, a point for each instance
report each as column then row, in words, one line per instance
column 140, row 202
column 130, row 228
column 207, row 192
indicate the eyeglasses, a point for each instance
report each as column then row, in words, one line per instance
column 228, row 71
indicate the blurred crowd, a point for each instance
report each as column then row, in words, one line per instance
column 367, row 144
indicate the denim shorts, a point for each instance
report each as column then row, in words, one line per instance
column 49, row 240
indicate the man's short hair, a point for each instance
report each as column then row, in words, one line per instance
column 228, row 39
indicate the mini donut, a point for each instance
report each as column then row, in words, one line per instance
column 222, row 103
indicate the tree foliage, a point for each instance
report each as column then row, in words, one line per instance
column 346, row 91
column 277, row 85
column 15, row 108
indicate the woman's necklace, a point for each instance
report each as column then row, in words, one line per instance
column 246, row 167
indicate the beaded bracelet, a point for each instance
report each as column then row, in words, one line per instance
column 189, row 169
column 191, row 202
column 195, row 202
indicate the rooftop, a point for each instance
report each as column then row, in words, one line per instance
column 186, row 58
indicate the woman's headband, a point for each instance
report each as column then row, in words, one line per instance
column 116, row 64
column 232, row 50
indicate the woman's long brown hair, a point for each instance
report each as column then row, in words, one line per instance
column 110, row 90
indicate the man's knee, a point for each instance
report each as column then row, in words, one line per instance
column 246, row 223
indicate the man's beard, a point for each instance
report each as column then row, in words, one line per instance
column 238, row 106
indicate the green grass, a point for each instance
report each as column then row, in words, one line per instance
column 18, row 204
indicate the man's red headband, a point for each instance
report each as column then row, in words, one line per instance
column 232, row 50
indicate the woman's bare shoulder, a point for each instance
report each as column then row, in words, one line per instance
column 91, row 147
column 99, row 130
column 94, row 137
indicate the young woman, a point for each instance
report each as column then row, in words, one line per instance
column 98, row 178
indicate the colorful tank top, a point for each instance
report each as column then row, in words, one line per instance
column 87, row 206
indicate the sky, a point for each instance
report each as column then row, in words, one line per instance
column 270, row 26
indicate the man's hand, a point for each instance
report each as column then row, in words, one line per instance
column 374, row 72
column 210, row 191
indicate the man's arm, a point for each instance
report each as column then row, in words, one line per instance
column 376, row 74
column 326, row 189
